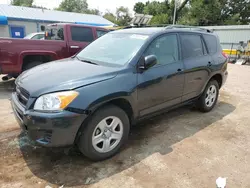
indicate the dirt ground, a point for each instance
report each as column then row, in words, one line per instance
column 183, row 149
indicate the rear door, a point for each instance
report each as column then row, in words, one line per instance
column 79, row 38
column 197, row 63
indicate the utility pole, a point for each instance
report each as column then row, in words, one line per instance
column 175, row 7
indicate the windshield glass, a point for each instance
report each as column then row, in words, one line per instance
column 113, row 48
column 54, row 32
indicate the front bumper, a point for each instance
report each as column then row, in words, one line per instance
column 48, row 129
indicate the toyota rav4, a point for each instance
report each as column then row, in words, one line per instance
column 92, row 98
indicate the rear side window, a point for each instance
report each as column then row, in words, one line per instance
column 100, row 33
column 191, row 46
column 82, row 34
column 211, row 42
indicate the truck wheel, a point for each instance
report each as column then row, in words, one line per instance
column 104, row 133
column 31, row 65
column 209, row 97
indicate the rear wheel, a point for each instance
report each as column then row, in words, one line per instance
column 208, row 99
column 31, row 65
column 104, row 133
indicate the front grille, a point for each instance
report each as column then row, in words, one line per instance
column 22, row 95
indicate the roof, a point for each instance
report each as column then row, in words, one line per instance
column 44, row 15
column 145, row 31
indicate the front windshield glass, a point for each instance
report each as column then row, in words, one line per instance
column 113, row 48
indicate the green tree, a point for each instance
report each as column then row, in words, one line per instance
column 122, row 16
column 110, row 16
column 155, row 8
column 93, row 11
column 79, row 6
column 216, row 12
column 163, row 11
column 160, row 19
column 236, row 11
column 139, row 7
column 25, row 3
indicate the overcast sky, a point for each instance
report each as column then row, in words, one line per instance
column 102, row 5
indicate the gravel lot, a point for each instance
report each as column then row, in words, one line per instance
column 183, row 149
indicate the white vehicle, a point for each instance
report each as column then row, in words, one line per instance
column 35, row 36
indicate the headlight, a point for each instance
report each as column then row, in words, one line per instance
column 55, row 101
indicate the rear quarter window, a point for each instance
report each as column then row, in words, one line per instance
column 211, row 42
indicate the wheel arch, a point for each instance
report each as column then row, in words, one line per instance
column 121, row 102
column 28, row 57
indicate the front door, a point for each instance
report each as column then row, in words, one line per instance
column 17, row 31
column 80, row 38
column 197, row 64
column 161, row 86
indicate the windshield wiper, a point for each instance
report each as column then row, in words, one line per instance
column 85, row 61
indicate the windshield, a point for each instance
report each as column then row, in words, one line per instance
column 113, row 48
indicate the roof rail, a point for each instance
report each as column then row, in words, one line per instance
column 189, row 27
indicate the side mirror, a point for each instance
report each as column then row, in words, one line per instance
column 147, row 62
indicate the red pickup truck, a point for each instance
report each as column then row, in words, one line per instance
column 60, row 41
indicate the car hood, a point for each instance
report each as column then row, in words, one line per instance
column 62, row 75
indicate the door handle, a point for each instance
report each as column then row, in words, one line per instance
column 209, row 64
column 74, row 47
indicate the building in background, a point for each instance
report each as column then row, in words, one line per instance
column 231, row 35
column 17, row 22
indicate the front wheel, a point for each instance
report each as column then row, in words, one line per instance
column 209, row 97
column 104, row 133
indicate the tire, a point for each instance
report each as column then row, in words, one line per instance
column 31, row 65
column 94, row 142
column 209, row 97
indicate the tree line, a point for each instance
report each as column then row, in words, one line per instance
column 190, row 12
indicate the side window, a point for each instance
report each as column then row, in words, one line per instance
column 100, row 33
column 165, row 48
column 211, row 42
column 82, row 34
column 191, row 45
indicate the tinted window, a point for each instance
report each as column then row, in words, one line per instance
column 191, row 46
column 211, row 42
column 82, row 34
column 165, row 48
column 100, row 33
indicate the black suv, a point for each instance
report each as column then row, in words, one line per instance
column 93, row 98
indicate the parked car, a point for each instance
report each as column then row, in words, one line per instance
column 61, row 41
column 35, row 36
column 93, row 98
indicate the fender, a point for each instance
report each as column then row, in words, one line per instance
column 214, row 73
column 114, row 96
